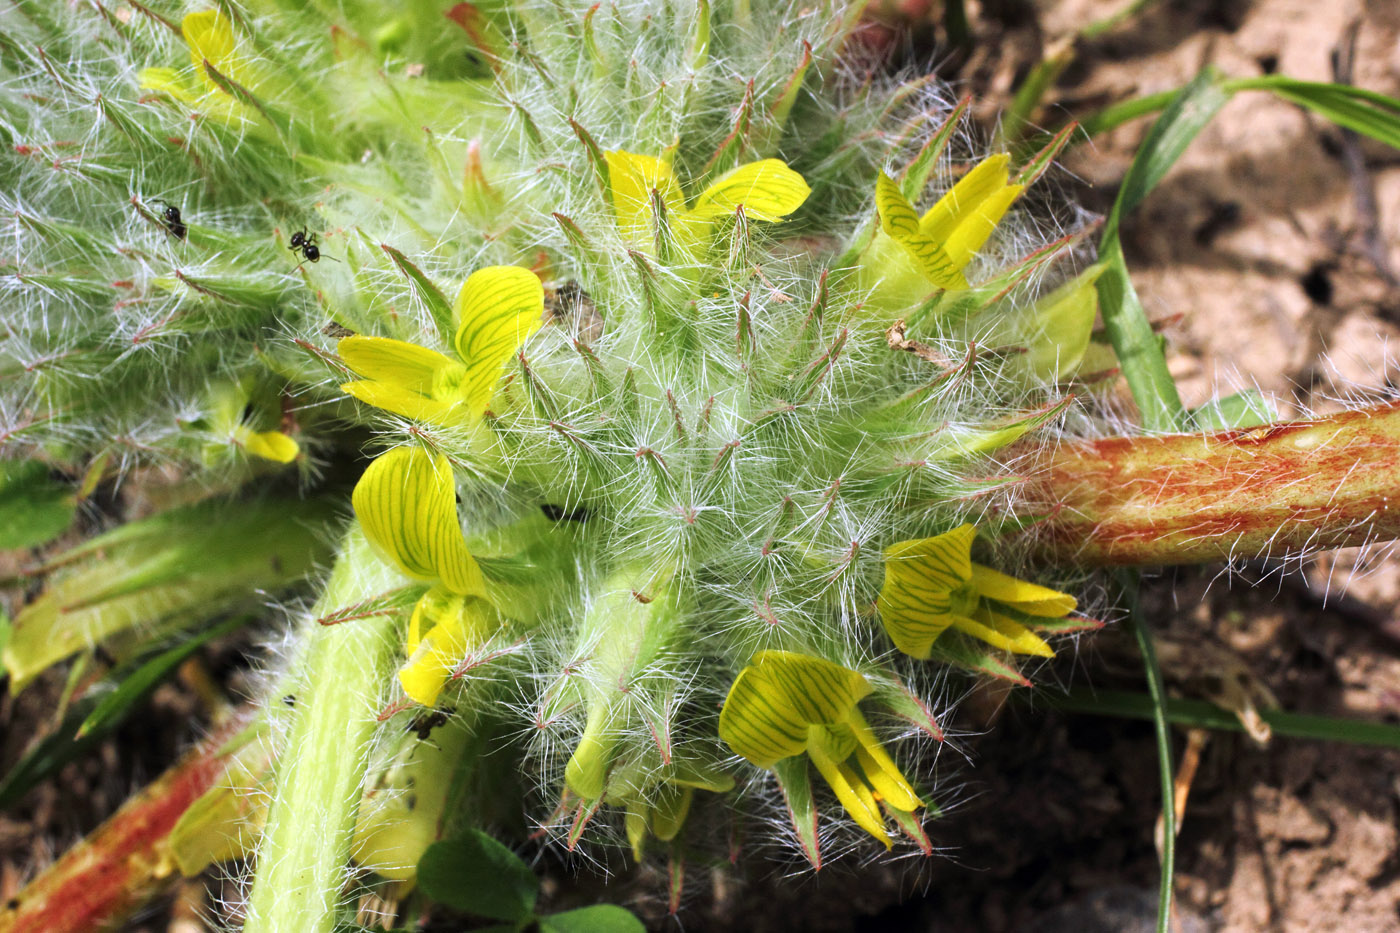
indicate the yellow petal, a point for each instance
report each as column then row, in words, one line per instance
column 498, row 308
column 406, row 502
column 1000, row 632
column 957, row 206
column 432, row 607
column 851, row 791
column 457, row 624
column 395, row 361
column 270, row 445
column 901, row 223
column 974, row 230
column 393, row 397
column 633, row 178
column 880, row 770
column 210, row 38
column 778, row 696
column 768, row 190
column 918, row 594
column 1030, row 598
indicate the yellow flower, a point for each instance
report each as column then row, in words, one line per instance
column 931, row 584
column 235, row 408
column 210, row 37
column 406, row 503
column 767, row 190
column 945, row 239
column 497, row 310
column 784, row 704
column 269, row 445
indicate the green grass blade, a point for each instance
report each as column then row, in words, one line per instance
column 114, row 706
column 1157, row 696
column 1139, row 352
column 1202, row 714
column 1367, row 112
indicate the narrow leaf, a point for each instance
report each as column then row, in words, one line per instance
column 431, row 296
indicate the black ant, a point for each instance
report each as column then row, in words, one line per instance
column 174, row 223
column 305, row 243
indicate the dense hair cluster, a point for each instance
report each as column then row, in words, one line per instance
column 704, row 452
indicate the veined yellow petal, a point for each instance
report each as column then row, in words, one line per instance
column 498, row 308
column 393, row 397
column 901, row 223
column 778, row 696
column 850, row 790
column 897, row 216
column 1001, row 632
column 880, row 770
column 986, row 178
column 407, row 504
column 270, row 445
column 767, row 189
column 633, row 177
column 395, row 361
column 921, row 577
column 1030, row 598
column 943, row 561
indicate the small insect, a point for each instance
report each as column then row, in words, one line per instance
column 174, row 223
column 425, row 723
column 305, row 243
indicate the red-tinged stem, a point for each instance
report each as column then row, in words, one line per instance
column 1272, row 490
column 125, row 861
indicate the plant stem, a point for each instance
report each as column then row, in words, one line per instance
column 1239, row 493
column 302, row 862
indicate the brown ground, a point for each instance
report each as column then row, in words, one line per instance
column 1274, row 241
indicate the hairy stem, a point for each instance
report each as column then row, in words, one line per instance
column 302, row 862
column 1276, row 489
